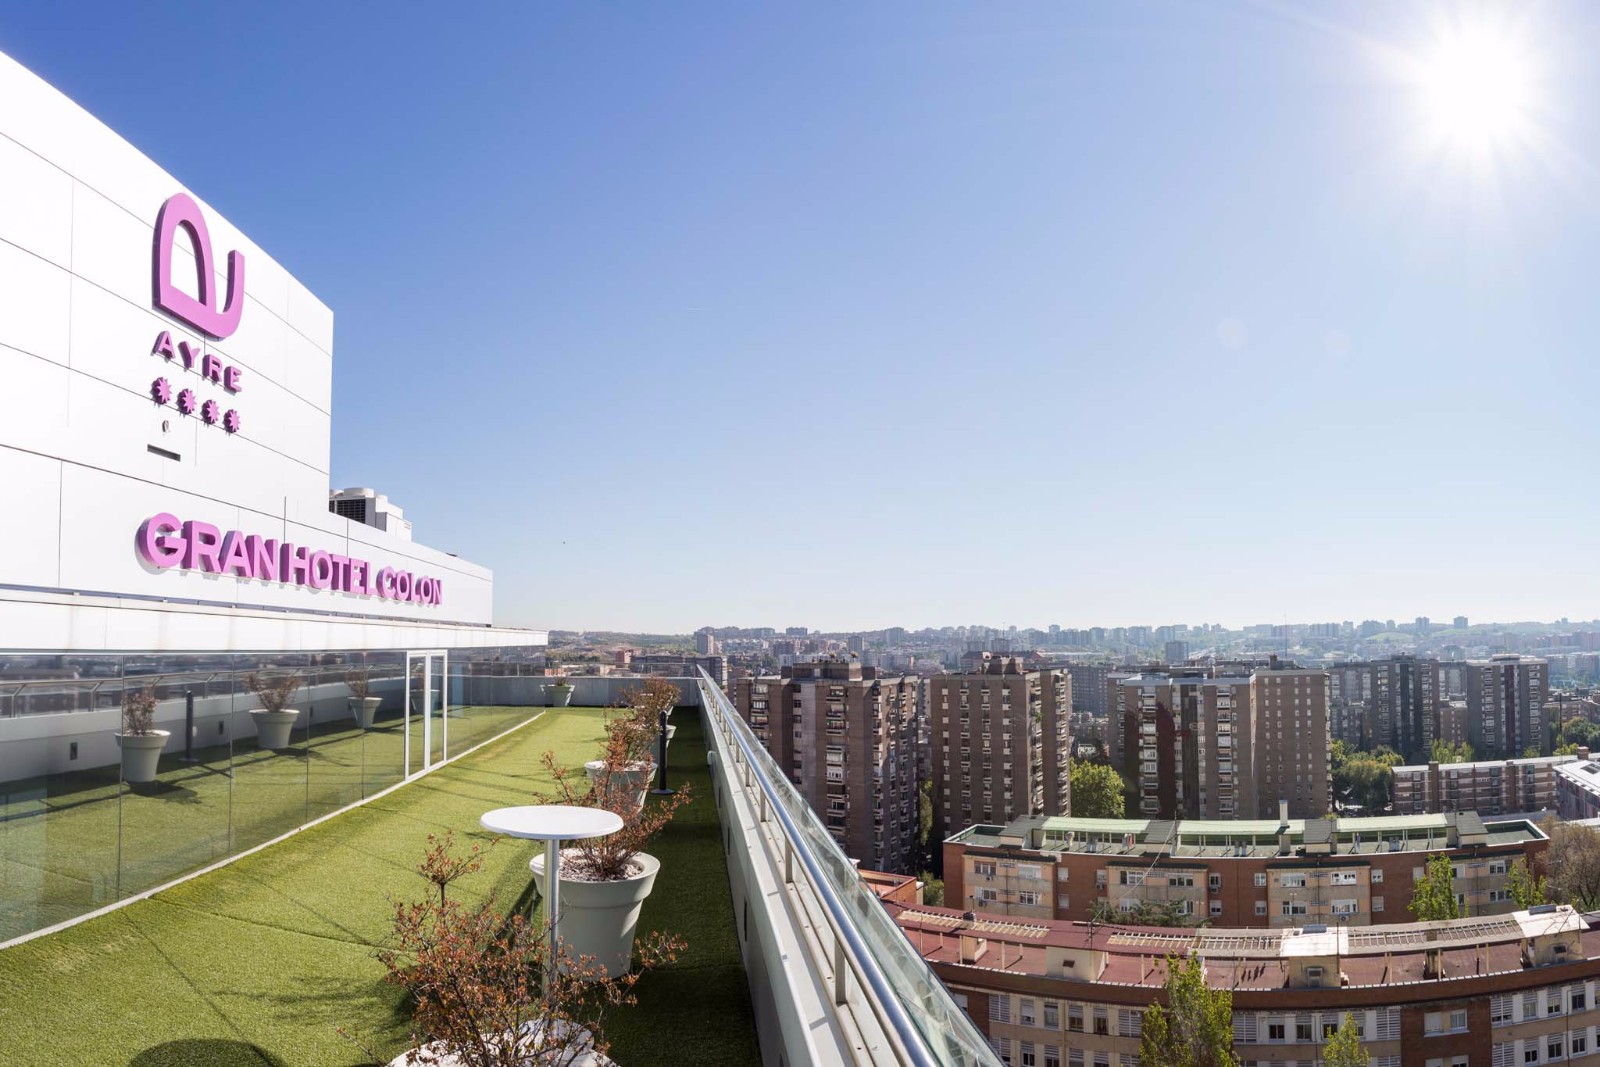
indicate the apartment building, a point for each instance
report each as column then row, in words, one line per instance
column 1089, row 686
column 1508, row 991
column 1505, row 697
column 1247, row 873
column 1186, row 739
column 1488, row 787
column 1392, row 702
column 1290, row 713
column 1001, row 742
column 847, row 738
column 1224, row 742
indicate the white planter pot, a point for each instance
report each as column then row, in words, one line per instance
column 559, row 695
column 141, row 753
column 629, row 784
column 364, row 709
column 599, row 918
column 273, row 727
column 578, row 1053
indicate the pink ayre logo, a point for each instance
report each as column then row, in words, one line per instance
column 203, row 314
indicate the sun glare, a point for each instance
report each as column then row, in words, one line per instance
column 1478, row 90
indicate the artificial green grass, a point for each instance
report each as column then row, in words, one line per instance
column 261, row 962
column 70, row 843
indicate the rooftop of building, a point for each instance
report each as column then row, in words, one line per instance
column 1252, row 959
column 1249, row 838
column 1584, row 773
column 1486, row 765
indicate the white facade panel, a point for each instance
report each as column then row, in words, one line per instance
column 29, row 545
column 35, row 296
column 36, row 212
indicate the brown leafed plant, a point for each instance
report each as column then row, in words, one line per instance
column 610, row 858
column 359, row 679
column 274, row 693
column 475, row 977
column 139, row 712
column 642, row 719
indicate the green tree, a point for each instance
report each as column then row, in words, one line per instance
column 1096, row 791
column 1445, row 752
column 1573, row 863
column 1364, row 780
column 1344, row 1048
column 1194, row 1028
column 932, row 890
column 1434, row 897
column 1526, row 888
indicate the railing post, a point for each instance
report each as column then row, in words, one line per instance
column 788, row 861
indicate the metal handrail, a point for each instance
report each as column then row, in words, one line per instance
column 886, row 1005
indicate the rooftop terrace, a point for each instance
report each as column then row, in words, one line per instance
column 261, row 962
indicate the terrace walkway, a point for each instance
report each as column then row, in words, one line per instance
column 262, row 962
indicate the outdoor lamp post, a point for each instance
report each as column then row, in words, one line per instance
column 661, row 789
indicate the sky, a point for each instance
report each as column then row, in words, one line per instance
column 916, row 314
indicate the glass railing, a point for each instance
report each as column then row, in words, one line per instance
column 906, row 996
column 86, row 820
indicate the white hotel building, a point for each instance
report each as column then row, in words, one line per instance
column 164, row 443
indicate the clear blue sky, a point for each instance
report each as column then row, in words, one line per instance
column 861, row 315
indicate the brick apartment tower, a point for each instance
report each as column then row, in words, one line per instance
column 847, row 738
column 1392, row 702
column 1186, row 741
column 1001, row 745
column 1505, row 702
column 1290, row 709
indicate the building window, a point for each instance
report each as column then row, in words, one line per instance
column 1274, row 1031
column 1075, row 1018
column 1216, row 907
column 1500, row 1011
column 1102, row 1025
column 1025, row 1012
column 1030, row 870
column 1458, row 1021
column 999, row 1008
column 1052, row 1056
column 1261, row 907
column 1052, row 1015
column 1261, row 880
column 1377, row 876
column 1579, row 998
column 1377, row 903
column 986, row 870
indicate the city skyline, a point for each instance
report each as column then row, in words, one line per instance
column 1262, row 313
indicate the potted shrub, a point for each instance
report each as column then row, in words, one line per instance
column 363, row 705
column 477, row 980
column 559, row 692
column 274, row 719
column 140, row 741
column 605, row 880
column 639, row 727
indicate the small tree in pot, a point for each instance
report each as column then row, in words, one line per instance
column 633, row 732
column 140, row 741
column 605, row 880
column 363, row 705
column 475, row 977
column 275, row 718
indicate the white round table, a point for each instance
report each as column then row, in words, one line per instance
column 552, row 824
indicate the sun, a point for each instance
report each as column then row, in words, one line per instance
column 1478, row 89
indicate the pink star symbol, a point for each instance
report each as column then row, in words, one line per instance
column 210, row 411
column 230, row 421
column 186, row 401
column 161, row 391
